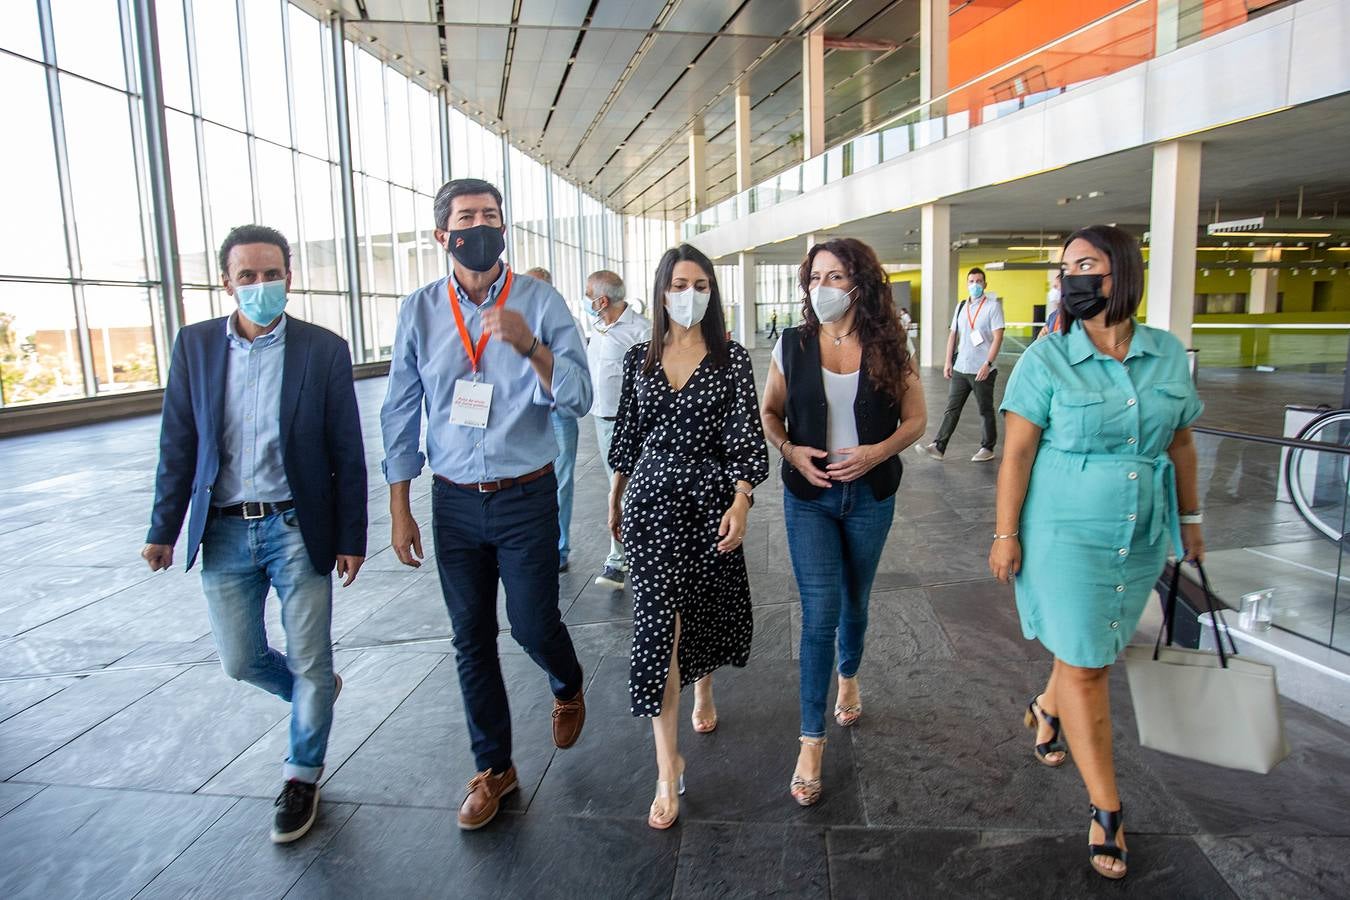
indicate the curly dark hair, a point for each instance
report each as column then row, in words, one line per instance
column 885, row 353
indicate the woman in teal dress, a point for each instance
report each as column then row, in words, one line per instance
column 1098, row 481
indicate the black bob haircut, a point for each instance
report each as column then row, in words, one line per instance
column 461, row 187
column 713, row 325
column 252, row 234
column 1127, row 271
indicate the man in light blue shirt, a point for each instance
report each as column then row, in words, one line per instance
column 261, row 450
column 488, row 355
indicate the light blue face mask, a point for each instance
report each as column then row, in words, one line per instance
column 261, row 303
column 976, row 290
column 595, row 313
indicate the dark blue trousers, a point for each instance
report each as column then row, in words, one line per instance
column 511, row 535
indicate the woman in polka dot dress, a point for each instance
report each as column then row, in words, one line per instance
column 688, row 448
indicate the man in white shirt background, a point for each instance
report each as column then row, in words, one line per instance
column 615, row 327
column 971, row 361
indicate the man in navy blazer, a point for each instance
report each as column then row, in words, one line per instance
column 260, row 447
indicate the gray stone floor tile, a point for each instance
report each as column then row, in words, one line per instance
column 235, row 858
column 374, row 684
column 751, row 860
column 76, row 842
column 16, row 696
column 13, row 794
column 928, row 863
column 173, row 739
column 1275, row 867
column 47, row 727
column 419, row 756
column 35, row 595
column 980, row 620
column 948, row 749
column 739, row 773
column 36, row 655
column 383, row 851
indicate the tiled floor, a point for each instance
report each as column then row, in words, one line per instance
column 131, row 766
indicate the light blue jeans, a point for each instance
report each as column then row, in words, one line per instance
column 565, row 430
column 241, row 559
column 835, row 542
column 604, row 435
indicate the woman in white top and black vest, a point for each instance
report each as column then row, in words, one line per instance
column 843, row 400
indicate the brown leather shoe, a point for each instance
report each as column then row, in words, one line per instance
column 568, row 717
column 485, row 798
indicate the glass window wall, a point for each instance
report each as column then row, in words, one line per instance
column 251, row 136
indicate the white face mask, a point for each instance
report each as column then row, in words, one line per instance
column 687, row 306
column 829, row 303
column 1052, row 299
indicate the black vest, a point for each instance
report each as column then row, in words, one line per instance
column 875, row 414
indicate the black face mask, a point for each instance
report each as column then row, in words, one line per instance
column 1081, row 295
column 476, row 248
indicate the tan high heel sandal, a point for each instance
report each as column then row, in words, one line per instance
column 806, row 791
column 671, row 791
column 849, row 715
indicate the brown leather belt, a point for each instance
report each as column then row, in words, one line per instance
column 489, row 487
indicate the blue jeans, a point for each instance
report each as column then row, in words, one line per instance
column 604, row 435
column 565, row 430
column 835, row 542
column 507, row 535
column 241, row 559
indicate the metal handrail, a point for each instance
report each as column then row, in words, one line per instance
column 1292, row 443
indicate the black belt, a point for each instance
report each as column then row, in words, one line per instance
column 254, row 509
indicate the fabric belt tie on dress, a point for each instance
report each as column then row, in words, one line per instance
column 501, row 484
column 1164, row 517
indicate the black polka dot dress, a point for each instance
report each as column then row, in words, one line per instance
column 684, row 451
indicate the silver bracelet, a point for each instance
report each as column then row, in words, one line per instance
column 1005, row 537
column 1195, row 518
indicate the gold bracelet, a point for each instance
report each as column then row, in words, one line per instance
column 1005, row 537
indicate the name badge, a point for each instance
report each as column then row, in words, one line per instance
column 471, row 403
column 976, row 339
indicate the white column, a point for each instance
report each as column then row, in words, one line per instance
column 933, row 40
column 936, row 288
column 743, row 158
column 813, row 94
column 1265, row 290
column 747, row 320
column 1173, row 220
column 698, row 169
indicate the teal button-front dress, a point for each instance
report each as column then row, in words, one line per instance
column 1101, row 506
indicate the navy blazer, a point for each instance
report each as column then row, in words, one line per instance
column 323, row 455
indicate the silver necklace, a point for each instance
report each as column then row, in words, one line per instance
column 839, row 340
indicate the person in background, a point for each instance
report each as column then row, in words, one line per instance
column 843, row 400
column 688, row 450
column 1051, row 308
column 906, row 323
column 971, row 365
column 565, row 463
column 773, row 324
column 1098, row 473
column 616, row 327
column 489, row 355
column 261, row 437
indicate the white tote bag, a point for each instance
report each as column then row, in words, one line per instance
column 1212, row 707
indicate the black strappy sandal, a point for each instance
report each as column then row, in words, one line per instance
column 1055, row 744
column 1110, row 822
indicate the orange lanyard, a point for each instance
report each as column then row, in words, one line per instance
column 971, row 318
column 475, row 354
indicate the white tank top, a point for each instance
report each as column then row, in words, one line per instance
column 841, row 428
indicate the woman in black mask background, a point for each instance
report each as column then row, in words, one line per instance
column 1098, row 479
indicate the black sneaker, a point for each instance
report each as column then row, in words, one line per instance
column 297, row 807
column 611, row 578
column 563, row 567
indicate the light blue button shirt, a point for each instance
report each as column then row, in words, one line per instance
column 429, row 357
column 251, row 465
